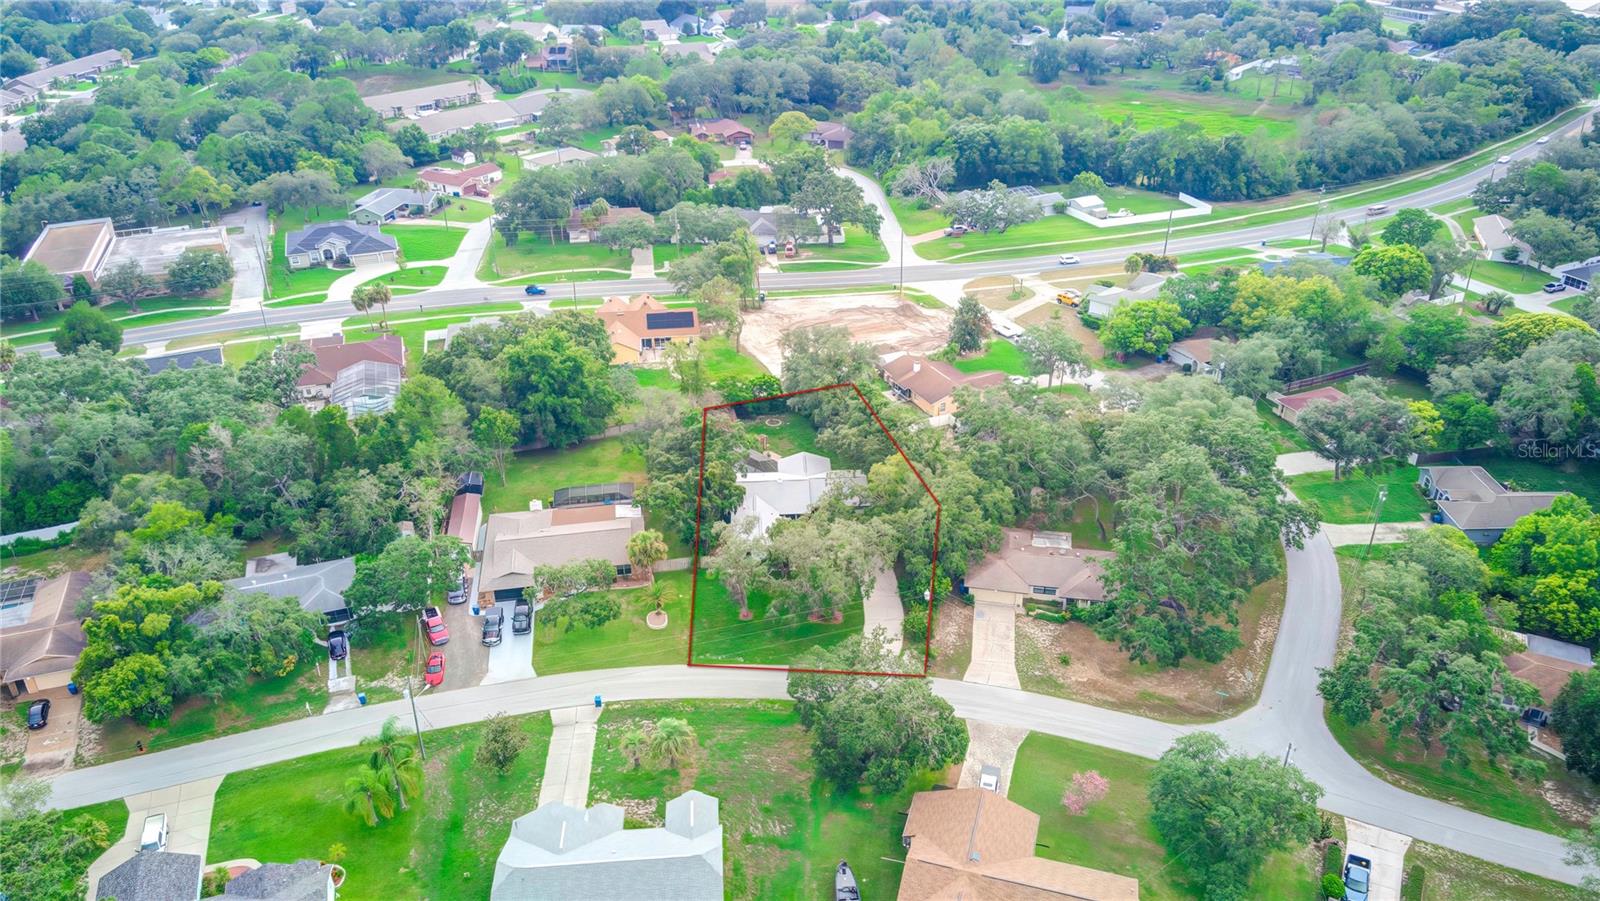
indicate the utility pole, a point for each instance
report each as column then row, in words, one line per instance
column 1377, row 510
column 902, row 264
column 1286, row 752
column 416, row 721
column 574, row 286
column 1169, row 232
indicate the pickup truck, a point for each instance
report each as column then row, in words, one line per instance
column 1357, row 878
column 493, row 619
column 433, row 624
column 522, row 618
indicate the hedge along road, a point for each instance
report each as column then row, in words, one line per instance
column 1288, row 710
column 913, row 271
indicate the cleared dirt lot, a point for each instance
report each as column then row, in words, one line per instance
column 881, row 320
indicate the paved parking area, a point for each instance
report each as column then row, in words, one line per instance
column 188, row 809
column 52, row 748
column 994, row 646
column 466, row 660
column 1386, row 850
column 512, row 659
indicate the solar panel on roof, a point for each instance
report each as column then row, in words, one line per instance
column 672, row 319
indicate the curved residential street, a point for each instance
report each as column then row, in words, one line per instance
column 1289, row 710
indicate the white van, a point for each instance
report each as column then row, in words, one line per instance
column 1004, row 327
column 1377, row 208
column 154, row 837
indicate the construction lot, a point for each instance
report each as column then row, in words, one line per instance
column 882, row 321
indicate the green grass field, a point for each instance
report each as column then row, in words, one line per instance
column 1353, row 498
column 915, row 220
column 261, row 702
column 777, row 640
column 785, row 829
column 537, row 474
column 421, row 243
column 152, row 311
column 1158, row 100
column 1285, row 438
column 460, row 209
column 1116, row 834
column 444, row 846
column 411, row 278
column 857, row 247
column 625, row 641
column 793, row 435
column 535, row 256
column 1452, row 876
column 1579, row 477
column 998, row 355
column 1513, row 278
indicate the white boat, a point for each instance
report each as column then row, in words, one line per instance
column 844, row 884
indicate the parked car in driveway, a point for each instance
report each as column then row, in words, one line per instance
column 1554, row 287
column 338, row 645
column 533, row 289
column 1357, row 878
column 522, row 618
column 989, row 777
column 153, row 837
column 433, row 624
column 433, row 673
column 493, row 620
column 39, row 714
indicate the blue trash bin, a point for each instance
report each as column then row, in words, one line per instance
column 598, row 702
column 362, row 698
column 72, row 688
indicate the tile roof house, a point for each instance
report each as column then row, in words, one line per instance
column 152, row 876
column 303, row 880
column 1039, row 566
column 1471, row 500
column 345, row 242
column 687, row 23
column 975, row 843
column 580, row 233
column 515, row 543
column 553, row 58
column 790, row 488
column 40, row 636
column 1290, row 406
column 414, row 102
column 1194, row 355
column 327, row 379
column 1494, row 234
column 658, row 30
column 470, row 182
column 725, row 131
column 388, row 204
column 931, row 384
column 641, row 326
column 831, row 135
column 559, row 851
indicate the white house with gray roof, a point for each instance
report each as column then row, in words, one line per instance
column 319, row 587
column 788, row 487
column 559, row 851
column 344, row 243
column 1470, row 499
column 388, row 204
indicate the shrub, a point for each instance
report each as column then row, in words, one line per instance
column 24, row 546
column 1324, row 827
column 915, row 623
column 1066, row 659
column 1411, row 888
column 1050, row 616
column 1332, row 886
column 1332, row 858
column 1087, row 787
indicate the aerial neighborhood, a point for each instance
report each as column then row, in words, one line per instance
column 760, row 449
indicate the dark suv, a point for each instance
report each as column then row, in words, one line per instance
column 338, row 645
column 493, row 620
column 39, row 714
column 522, row 618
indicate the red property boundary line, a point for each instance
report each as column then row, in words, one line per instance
column 699, row 513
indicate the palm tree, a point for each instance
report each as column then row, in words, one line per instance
column 1495, row 301
column 673, row 740
column 367, row 795
column 365, row 297
column 634, row 745
column 395, row 759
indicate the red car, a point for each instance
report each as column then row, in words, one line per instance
column 433, row 624
column 434, row 675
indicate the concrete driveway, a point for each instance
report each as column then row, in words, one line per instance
column 994, row 646
column 990, row 745
column 511, row 659
column 884, row 610
column 570, row 757
column 188, row 810
column 52, row 748
column 1386, row 850
column 246, row 251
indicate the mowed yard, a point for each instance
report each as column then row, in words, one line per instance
column 535, row 256
column 769, row 638
column 444, row 846
column 1354, row 498
column 625, row 641
column 535, row 475
column 785, row 829
column 421, row 243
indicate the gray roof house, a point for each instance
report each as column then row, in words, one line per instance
column 323, row 243
column 1101, row 300
column 1580, row 275
column 318, row 586
column 184, row 359
column 1471, row 500
column 1494, row 233
column 563, row 852
column 152, row 876
column 303, row 880
column 387, row 204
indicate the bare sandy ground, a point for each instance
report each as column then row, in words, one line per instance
column 880, row 320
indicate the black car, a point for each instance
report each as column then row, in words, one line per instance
column 338, row 645
column 522, row 618
column 39, row 714
column 493, row 619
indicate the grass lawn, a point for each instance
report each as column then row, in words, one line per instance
column 625, row 641
column 778, row 640
column 261, row 702
column 1116, row 834
column 152, row 311
column 537, row 474
column 915, row 220
column 444, row 846
column 795, row 433
column 1285, row 438
column 420, row 243
column 722, row 361
column 460, row 209
column 1157, row 99
column 1352, row 499
column 998, row 354
column 412, row 334
column 1040, row 231
column 1513, row 278
column 1475, row 786
column 532, row 255
column 857, row 247
column 784, row 828
column 54, row 561
column 1452, row 876
column 411, row 277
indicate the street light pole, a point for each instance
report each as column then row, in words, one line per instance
column 1377, row 511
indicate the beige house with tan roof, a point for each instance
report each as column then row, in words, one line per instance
column 40, row 636
column 515, row 543
column 972, row 843
column 1039, row 566
column 641, row 326
column 931, row 384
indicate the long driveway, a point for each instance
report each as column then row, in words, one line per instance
column 1289, row 711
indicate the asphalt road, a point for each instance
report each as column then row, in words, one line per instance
column 915, row 268
column 1289, row 710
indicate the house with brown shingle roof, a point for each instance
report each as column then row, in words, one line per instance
column 972, row 843
column 1290, row 406
column 362, row 377
column 931, row 384
column 1039, row 566
column 724, row 131
column 641, row 327
column 580, row 233
column 40, row 636
column 515, row 543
